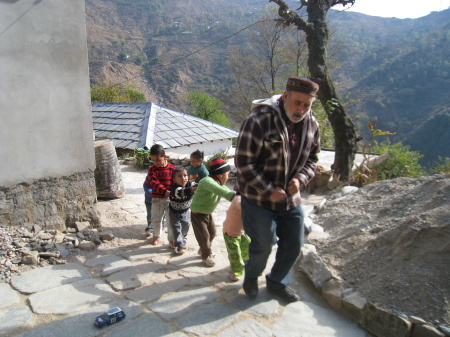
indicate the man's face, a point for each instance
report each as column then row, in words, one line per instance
column 297, row 105
column 181, row 178
column 159, row 161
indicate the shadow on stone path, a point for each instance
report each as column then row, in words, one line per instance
column 162, row 293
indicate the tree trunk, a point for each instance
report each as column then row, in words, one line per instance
column 343, row 126
column 316, row 31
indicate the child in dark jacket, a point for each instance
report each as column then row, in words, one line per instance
column 180, row 201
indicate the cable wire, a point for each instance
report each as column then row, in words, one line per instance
column 195, row 51
column 19, row 17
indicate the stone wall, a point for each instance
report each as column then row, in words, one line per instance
column 52, row 203
column 47, row 151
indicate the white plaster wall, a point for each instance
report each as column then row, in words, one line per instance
column 208, row 148
column 45, row 111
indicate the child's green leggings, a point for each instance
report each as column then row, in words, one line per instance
column 237, row 248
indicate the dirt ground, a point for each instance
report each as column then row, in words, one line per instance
column 389, row 241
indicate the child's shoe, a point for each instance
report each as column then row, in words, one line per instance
column 172, row 245
column 209, row 261
column 233, row 277
column 181, row 250
column 156, row 241
column 148, row 231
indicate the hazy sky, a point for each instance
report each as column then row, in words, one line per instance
column 399, row 8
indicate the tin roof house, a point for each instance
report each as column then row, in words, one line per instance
column 135, row 125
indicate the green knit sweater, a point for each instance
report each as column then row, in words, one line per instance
column 208, row 195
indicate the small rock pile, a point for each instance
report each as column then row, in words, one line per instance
column 24, row 248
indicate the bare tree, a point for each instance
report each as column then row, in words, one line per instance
column 316, row 30
column 271, row 53
column 260, row 62
column 296, row 52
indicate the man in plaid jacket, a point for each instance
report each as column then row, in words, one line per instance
column 276, row 156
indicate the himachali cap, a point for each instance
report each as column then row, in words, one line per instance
column 218, row 166
column 302, row 84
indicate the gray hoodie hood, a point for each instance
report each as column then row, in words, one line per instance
column 272, row 102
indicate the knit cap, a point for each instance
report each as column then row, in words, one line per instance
column 218, row 166
column 303, row 85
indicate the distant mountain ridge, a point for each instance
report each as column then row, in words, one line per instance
column 402, row 76
column 397, row 69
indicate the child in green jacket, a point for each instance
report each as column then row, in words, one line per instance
column 206, row 198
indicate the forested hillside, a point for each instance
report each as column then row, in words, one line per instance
column 393, row 69
column 167, row 32
column 399, row 71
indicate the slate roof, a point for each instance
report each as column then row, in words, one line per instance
column 134, row 125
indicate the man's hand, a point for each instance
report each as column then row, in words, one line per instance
column 278, row 194
column 293, row 187
column 167, row 194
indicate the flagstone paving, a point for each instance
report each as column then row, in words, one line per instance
column 162, row 294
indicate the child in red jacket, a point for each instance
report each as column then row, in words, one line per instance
column 159, row 177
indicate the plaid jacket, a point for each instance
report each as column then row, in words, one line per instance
column 262, row 155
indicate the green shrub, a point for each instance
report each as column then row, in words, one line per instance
column 400, row 161
column 116, row 93
column 140, row 59
column 135, row 96
column 142, row 157
column 442, row 166
column 207, row 107
column 122, row 56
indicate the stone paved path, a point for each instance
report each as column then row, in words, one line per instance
column 162, row 294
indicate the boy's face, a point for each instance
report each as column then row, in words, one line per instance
column 224, row 177
column 159, row 161
column 181, row 178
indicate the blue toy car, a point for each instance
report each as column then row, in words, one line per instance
column 109, row 317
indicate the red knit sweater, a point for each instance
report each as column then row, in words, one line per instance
column 160, row 179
